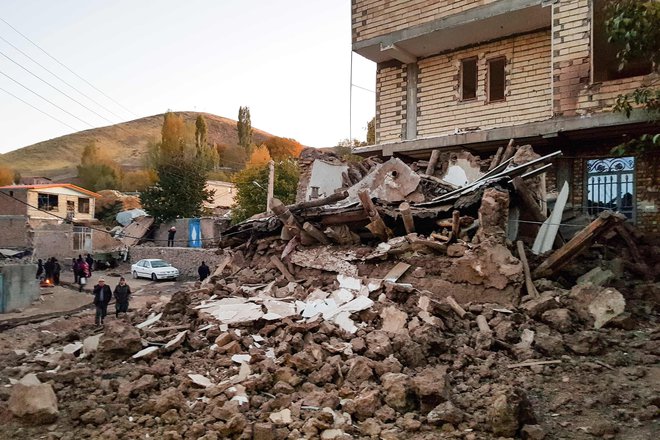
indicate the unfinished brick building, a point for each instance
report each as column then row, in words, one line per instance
column 472, row 74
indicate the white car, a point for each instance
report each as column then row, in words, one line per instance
column 155, row 269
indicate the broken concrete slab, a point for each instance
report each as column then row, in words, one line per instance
column 36, row 404
column 145, row 352
column 606, row 306
column 596, row 276
column 394, row 320
column 200, row 380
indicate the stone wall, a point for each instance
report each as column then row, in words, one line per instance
column 210, row 228
column 19, row 286
column 187, row 260
column 14, row 231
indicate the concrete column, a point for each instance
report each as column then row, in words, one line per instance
column 411, row 100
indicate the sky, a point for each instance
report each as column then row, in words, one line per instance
column 288, row 60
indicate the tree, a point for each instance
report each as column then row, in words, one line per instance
column 6, row 175
column 97, row 170
column 207, row 154
column 283, row 148
column 179, row 191
column 371, row 131
column 251, row 198
column 244, row 127
column 633, row 26
column 259, row 157
column 137, row 180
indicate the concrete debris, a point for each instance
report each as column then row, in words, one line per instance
column 35, row 403
column 423, row 325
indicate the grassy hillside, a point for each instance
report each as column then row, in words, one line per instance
column 126, row 142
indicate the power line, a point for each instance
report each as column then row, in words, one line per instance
column 38, row 109
column 45, row 99
column 46, row 82
column 60, row 78
column 65, row 66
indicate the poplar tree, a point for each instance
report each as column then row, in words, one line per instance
column 244, row 126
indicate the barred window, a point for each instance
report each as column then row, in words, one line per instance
column 611, row 186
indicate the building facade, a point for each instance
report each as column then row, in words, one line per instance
column 472, row 74
column 51, row 219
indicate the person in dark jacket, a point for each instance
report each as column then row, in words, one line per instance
column 74, row 269
column 48, row 269
column 170, row 236
column 40, row 269
column 203, row 271
column 57, row 269
column 102, row 296
column 122, row 295
column 90, row 262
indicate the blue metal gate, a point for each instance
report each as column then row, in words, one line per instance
column 194, row 233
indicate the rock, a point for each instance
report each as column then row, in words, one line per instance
column 394, row 320
column 334, row 434
column 596, row 277
column 281, row 418
column 532, row 432
column 624, row 321
column 96, row 416
column 144, row 383
column 370, row 427
column 262, row 431
column 488, row 266
column 168, row 399
column 537, row 306
column 378, row 345
column 585, row 342
column 446, row 412
column 559, row 319
column 431, row 387
column 366, row 403
column 606, row 306
column 119, row 340
column 36, row 404
column 604, row 428
column 397, row 389
column 597, row 304
column 456, row 250
column 509, row 411
column 550, row 345
column 360, row 371
column 178, row 304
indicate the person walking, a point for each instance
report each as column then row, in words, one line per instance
column 57, row 269
column 122, row 295
column 40, row 269
column 102, row 296
column 74, row 269
column 83, row 273
column 90, row 262
column 203, row 271
column 170, row 236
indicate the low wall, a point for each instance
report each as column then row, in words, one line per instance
column 187, row 260
column 19, row 286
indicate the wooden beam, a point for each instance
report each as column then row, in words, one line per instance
column 496, row 159
column 316, row 233
column 529, row 284
column 433, row 161
column 482, row 323
column 330, row 200
column 509, row 151
column 290, row 226
column 282, row 268
column 377, row 225
column 455, row 225
column 559, row 258
column 406, row 215
column 456, row 307
column 623, row 233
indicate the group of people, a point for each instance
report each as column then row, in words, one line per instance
column 82, row 270
column 103, row 295
column 50, row 270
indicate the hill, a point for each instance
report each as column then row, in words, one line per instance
column 126, row 142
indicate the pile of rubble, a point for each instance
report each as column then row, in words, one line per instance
column 411, row 316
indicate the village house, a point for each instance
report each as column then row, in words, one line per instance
column 223, row 199
column 472, row 74
column 51, row 219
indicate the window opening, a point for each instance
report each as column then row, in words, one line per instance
column 469, row 79
column 611, row 186
column 83, row 205
column 47, row 202
column 496, row 79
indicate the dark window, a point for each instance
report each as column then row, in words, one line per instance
column 47, row 202
column 611, row 185
column 605, row 62
column 469, row 79
column 496, row 79
column 83, row 205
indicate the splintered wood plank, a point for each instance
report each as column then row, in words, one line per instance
column 396, row 272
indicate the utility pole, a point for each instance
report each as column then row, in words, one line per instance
column 271, row 184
